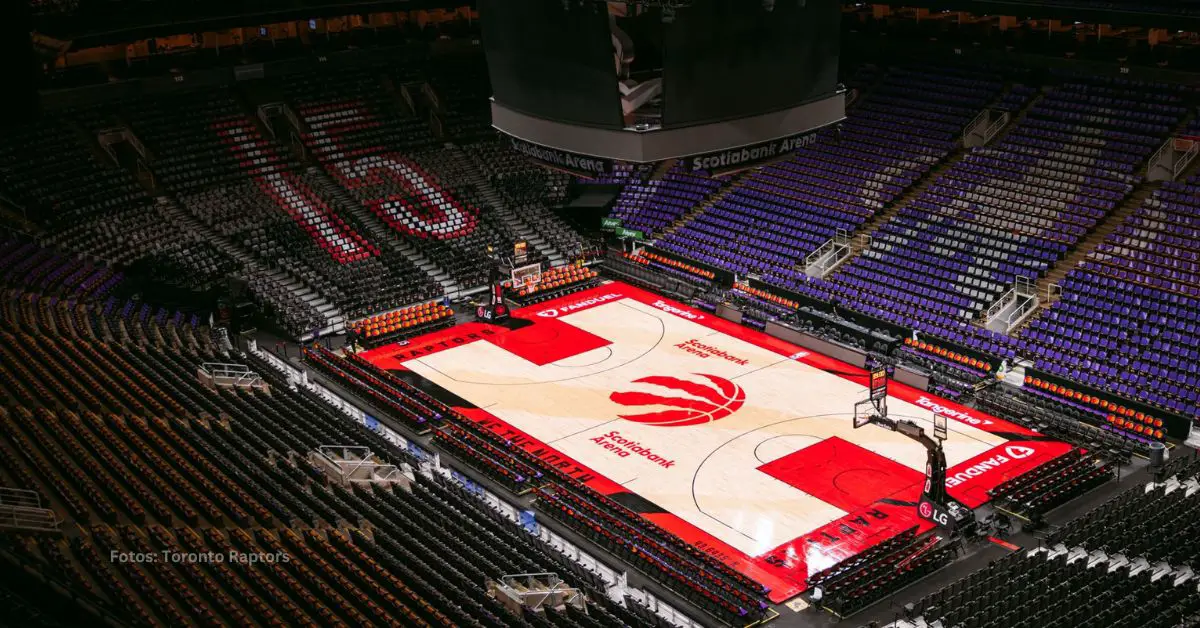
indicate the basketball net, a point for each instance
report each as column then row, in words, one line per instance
column 526, row 276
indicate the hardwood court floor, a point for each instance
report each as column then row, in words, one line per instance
column 731, row 439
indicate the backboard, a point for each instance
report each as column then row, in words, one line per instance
column 864, row 411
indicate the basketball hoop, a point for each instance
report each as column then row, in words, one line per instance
column 875, row 406
column 864, row 412
column 526, row 276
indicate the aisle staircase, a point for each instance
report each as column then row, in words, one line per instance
column 88, row 138
column 1016, row 120
column 702, row 207
column 862, row 237
column 662, row 169
column 177, row 215
column 1166, row 169
column 1190, row 170
column 1047, row 285
column 396, row 94
column 380, row 232
column 991, row 122
column 501, row 209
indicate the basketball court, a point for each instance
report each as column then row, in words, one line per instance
column 735, row 441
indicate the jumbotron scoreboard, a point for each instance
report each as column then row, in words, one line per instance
column 580, row 85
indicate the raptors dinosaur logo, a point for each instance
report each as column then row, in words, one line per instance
column 705, row 402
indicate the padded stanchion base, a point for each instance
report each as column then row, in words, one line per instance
column 492, row 313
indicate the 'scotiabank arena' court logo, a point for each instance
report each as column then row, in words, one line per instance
column 707, row 403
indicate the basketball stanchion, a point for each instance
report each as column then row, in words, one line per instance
column 936, row 504
column 494, row 310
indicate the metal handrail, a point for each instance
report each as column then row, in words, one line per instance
column 296, row 122
column 1157, row 156
column 971, row 127
column 264, row 114
column 136, row 144
column 999, row 304
column 839, row 242
column 1188, row 156
column 1022, row 287
column 427, row 89
column 1158, row 153
column 995, row 127
column 1053, row 291
column 30, row 518
column 1021, row 312
column 819, row 253
column 238, row 374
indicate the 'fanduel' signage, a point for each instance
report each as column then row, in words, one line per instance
column 577, row 164
column 746, row 156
